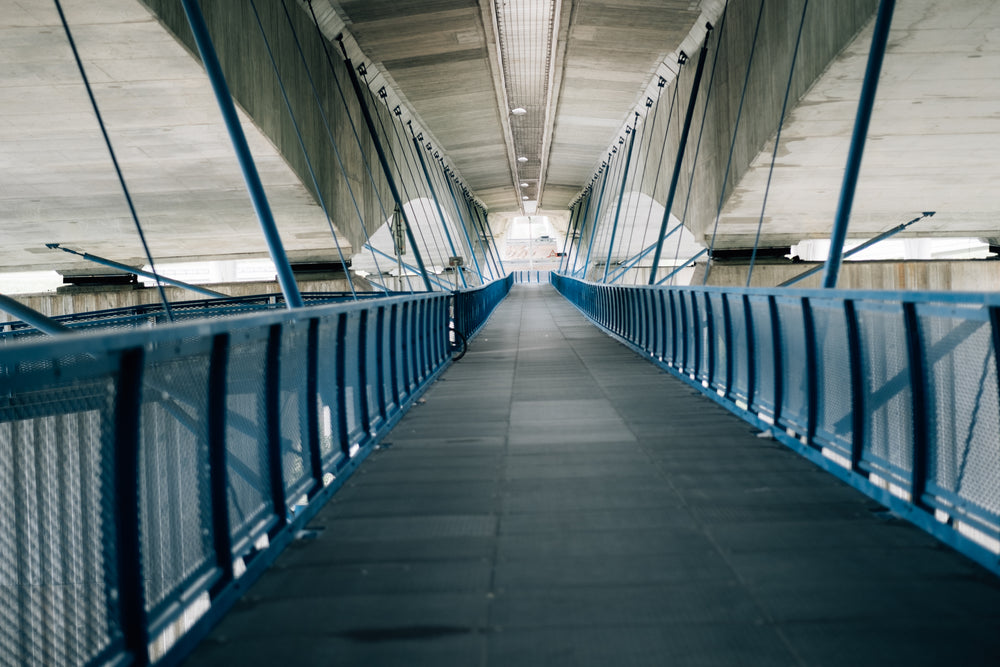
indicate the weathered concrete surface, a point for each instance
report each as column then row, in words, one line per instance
column 932, row 275
column 559, row 501
column 58, row 183
column 932, row 146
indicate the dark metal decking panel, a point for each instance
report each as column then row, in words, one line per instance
column 558, row 500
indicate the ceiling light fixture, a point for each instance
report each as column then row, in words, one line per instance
column 522, row 159
column 519, row 111
column 524, row 185
column 525, row 198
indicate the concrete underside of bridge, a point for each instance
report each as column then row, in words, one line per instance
column 455, row 69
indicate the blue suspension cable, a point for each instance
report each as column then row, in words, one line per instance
column 777, row 139
column 701, row 132
column 663, row 145
column 354, row 129
column 630, row 224
column 329, row 133
column 302, row 145
column 377, row 108
column 114, row 161
column 732, row 144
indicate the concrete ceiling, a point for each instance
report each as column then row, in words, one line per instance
column 932, row 146
column 58, row 184
column 445, row 58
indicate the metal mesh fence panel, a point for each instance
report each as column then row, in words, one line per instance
column 372, row 364
column 719, row 343
column 326, row 393
column 888, row 396
column 175, row 507
column 706, row 340
column 794, row 378
column 960, row 371
column 353, row 386
column 57, row 528
column 293, row 407
column 833, row 363
column 250, row 506
column 738, row 339
column 764, row 398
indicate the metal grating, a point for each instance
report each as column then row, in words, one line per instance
column 888, row 397
column 173, row 472
column 795, row 389
column 58, row 588
column 293, row 420
column 833, row 366
column 246, row 439
column 960, row 371
column 525, row 31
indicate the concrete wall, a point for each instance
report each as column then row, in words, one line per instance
column 948, row 276
column 243, row 55
column 829, row 27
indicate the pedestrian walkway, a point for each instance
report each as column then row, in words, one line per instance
column 557, row 500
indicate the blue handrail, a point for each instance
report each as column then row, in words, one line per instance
column 896, row 393
column 155, row 471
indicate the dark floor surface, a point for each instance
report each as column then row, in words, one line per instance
column 558, row 500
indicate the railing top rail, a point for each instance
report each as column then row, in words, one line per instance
column 89, row 341
column 477, row 288
column 956, row 298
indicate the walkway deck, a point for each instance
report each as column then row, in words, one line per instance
column 560, row 501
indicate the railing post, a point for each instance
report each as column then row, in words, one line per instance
column 218, row 469
column 779, row 380
column 857, row 384
column 362, row 356
column 272, row 410
column 380, row 363
column 678, row 163
column 727, row 325
column 812, row 370
column 131, row 591
column 254, row 186
column 751, row 351
column 709, row 339
column 880, row 39
column 921, row 422
column 312, row 408
column 341, row 379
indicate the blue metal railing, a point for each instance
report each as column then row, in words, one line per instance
column 473, row 306
column 144, row 315
column 894, row 392
column 144, row 470
column 531, row 276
